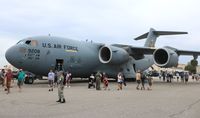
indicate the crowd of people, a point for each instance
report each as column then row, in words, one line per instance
column 61, row 79
column 7, row 78
column 141, row 78
column 168, row 76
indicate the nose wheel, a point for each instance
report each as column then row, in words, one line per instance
column 29, row 80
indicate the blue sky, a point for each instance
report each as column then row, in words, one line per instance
column 105, row 21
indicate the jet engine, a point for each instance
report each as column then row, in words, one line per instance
column 164, row 57
column 113, row 55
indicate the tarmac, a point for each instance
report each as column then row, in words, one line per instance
column 166, row 100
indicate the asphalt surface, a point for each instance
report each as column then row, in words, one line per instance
column 166, row 100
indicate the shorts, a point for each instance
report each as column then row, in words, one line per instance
column 51, row 82
column 106, row 84
column 1, row 81
column 150, row 83
column 19, row 82
column 120, row 82
column 138, row 81
column 8, row 84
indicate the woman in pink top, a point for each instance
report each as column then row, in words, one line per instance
column 9, row 77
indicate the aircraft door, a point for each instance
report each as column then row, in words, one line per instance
column 59, row 65
column 134, row 68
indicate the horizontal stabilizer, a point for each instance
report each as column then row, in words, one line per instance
column 142, row 36
column 158, row 33
column 152, row 35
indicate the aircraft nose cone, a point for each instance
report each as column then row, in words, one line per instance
column 10, row 55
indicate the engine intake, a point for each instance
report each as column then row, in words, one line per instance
column 113, row 55
column 165, row 57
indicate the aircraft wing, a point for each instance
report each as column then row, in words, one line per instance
column 142, row 50
column 185, row 52
column 138, row 52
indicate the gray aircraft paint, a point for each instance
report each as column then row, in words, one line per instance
column 81, row 58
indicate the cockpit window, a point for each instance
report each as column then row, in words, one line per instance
column 29, row 42
column 32, row 42
column 20, row 42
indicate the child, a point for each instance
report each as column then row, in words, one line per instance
column 120, row 80
column 150, row 83
column 105, row 82
column 68, row 78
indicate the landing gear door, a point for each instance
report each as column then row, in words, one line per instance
column 128, row 70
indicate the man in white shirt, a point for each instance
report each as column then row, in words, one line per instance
column 68, row 78
column 138, row 79
column 51, row 76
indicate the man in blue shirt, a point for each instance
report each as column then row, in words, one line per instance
column 20, row 78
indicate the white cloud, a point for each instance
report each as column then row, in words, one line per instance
column 5, row 42
column 109, row 21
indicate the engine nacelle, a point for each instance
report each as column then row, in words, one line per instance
column 165, row 57
column 113, row 55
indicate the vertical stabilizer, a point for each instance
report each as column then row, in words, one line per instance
column 153, row 34
column 151, row 38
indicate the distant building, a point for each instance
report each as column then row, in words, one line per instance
column 10, row 67
column 180, row 67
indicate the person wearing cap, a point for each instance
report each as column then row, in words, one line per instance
column 61, row 87
column 98, row 77
column 20, row 78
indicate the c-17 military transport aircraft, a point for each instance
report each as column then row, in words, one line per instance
column 41, row 53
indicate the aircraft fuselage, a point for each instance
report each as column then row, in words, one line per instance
column 40, row 54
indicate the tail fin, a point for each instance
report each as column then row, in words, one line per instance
column 153, row 34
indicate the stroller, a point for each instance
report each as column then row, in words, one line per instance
column 91, row 81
